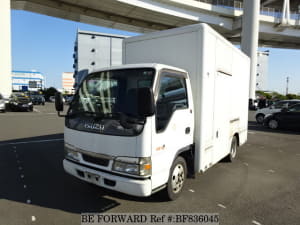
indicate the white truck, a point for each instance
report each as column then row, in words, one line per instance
column 177, row 106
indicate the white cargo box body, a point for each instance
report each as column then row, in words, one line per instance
column 219, row 76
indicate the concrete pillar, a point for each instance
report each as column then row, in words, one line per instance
column 286, row 12
column 249, row 42
column 5, row 49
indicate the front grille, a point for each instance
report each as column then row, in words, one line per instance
column 95, row 160
column 23, row 100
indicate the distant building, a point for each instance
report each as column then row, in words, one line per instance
column 262, row 71
column 68, row 82
column 27, row 81
column 95, row 50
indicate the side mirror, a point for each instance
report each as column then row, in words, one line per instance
column 145, row 102
column 59, row 104
column 284, row 109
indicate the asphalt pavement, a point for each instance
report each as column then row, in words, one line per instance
column 261, row 187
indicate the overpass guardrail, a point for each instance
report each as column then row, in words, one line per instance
column 238, row 5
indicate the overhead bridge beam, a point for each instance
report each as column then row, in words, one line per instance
column 90, row 12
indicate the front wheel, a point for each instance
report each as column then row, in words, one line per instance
column 260, row 118
column 273, row 124
column 177, row 178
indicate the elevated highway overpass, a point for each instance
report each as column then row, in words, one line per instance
column 269, row 23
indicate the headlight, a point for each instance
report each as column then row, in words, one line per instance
column 15, row 103
column 71, row 153
column 30, row 103
column 136, row 166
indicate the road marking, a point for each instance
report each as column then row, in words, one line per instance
column 33, row 218
column 29, row 142
column 51, row 113
column 191, row 190
column 25, row 186
column 38, row 111
column 222, row 206
column 271, row 171
column 256, row 223
column 246, row 164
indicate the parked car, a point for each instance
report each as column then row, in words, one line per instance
column 2, row 104
column 253, row 104
column 52, row 98
column 20, row 102
column 68, row 99
column 276, row 107
column 38, row 99
column 287, row 118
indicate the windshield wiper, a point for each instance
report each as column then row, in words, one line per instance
column 125, row 119
column 94, row 114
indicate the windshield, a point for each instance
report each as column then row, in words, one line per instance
column 111, row 92
column 109, row 96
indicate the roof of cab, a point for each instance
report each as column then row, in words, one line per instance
column 156, row 66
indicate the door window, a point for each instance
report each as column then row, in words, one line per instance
column 280, row 105
column 295, row 108
column 172, row 96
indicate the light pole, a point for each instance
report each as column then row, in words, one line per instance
column 287, row 85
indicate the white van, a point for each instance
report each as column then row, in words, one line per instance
column 177, row 106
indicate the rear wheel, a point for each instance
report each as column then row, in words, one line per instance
column 233, row 150
column 260, row 118
column 273, row 124
column 177, row 178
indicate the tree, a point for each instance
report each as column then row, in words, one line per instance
column 49, row 92
column 292, row 96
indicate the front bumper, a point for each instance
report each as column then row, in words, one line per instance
column 131, row 186
column 21, row 107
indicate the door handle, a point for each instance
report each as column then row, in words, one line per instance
column 187, row 130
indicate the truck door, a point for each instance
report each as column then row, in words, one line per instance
column 222, row 106
column 173, row 129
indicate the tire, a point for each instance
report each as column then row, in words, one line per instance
column 273, row 124
column 233, row 150
column 260, row 118
column 177, row 178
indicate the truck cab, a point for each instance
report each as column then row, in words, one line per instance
column 130, row 129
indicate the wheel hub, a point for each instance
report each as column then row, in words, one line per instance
column 177, row 178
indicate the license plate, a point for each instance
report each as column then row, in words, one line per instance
column 24, row 105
